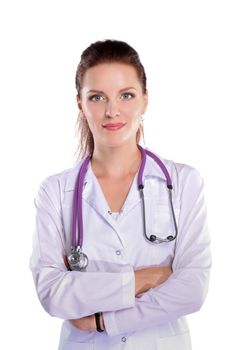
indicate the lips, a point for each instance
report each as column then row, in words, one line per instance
column 114, row 125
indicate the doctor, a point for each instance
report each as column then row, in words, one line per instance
column 133, row 293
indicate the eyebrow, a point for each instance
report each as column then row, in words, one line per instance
column 102, row 92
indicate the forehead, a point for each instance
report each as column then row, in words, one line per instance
column 110, row 76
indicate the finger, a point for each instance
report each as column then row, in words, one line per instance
column 66, row 262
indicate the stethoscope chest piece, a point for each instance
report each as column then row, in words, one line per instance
column 77, row 260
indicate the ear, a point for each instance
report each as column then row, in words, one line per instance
column 145, row 97
column 78, row 99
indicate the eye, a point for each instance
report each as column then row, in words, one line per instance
column 93, row 98
column 128, row 94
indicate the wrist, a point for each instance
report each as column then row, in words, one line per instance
column 102, row 321
column 99, row 323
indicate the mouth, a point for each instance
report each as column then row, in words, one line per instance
column 113, row 126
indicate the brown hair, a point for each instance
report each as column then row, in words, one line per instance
column 103, row 52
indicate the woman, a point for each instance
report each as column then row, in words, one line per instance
column 131, row 292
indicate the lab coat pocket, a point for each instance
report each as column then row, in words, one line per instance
column 181, row 341
column 159, row 218
column 159, row 222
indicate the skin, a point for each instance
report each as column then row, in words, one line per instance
column 116, row 155
column 114, row 152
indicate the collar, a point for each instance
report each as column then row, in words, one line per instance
column 151, row 170
column 93, row 194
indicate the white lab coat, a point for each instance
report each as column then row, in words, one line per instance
column 115, row 248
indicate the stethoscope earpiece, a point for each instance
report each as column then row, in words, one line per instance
column 170, row 238
column 155, row 239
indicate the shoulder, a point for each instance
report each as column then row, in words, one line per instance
column 185, row 177
column 60, row 181
column 182, row 175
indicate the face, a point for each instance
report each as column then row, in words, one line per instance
column 112, row 93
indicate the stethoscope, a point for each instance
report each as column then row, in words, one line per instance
column 78, row 260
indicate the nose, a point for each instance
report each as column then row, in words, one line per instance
column 112, row 110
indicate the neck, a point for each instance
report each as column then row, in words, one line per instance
column 116, row 162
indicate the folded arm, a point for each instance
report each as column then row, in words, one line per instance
column 185, row 290
column 63, row 293
column 145, row 279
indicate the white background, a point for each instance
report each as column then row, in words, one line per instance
column 186, row 49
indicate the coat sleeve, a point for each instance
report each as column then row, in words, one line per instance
column 185, row 290
column 70, row 294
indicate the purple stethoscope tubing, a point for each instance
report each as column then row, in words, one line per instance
column 77, row 199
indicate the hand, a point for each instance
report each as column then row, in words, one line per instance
column 150, row 277
column 86, row 323
column 66, row 262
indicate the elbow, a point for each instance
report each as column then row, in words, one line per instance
column 48, row 305
column 47, row 300
column 197, row 303
column 56, row 296
column 199, row 294
column 60, row 306
column 47, row 290
column 56, row 305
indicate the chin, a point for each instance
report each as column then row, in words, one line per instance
column 117, row 142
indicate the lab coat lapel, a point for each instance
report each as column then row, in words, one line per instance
column 95, row 197
column 93, row 193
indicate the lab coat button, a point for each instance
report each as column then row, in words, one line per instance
column 123, row 339
column 109, row 212
column 118, row 252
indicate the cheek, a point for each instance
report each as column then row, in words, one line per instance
column 93, row 110
column 131, row 109
column 94, row 114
